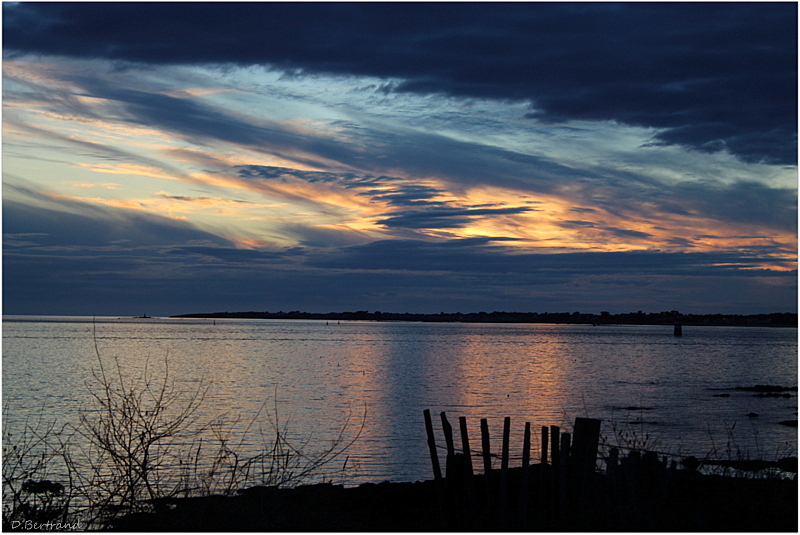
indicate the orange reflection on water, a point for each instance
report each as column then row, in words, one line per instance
column 462, row 375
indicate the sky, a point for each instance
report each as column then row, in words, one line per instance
column 168, row 158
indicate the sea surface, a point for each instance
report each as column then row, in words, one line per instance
column 677, row 395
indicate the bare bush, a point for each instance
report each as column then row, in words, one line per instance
column 141, row 438
column 37, row 479
column 134, row 431
column 282, row 460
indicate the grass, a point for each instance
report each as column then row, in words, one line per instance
column 726, row 457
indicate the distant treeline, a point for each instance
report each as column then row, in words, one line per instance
column 778, row 319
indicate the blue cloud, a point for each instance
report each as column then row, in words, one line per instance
column 710, row 76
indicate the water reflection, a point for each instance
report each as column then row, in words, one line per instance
column 315, row 375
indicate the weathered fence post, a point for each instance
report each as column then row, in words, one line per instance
column 462, row 421
column 506, row 434
column 583, row 459
column 586, row 435
column 487, row 470
column 554, row 437
column 448, row 435
column 544, row 444
column 526, row 446
column 504, row 472
column 437, row 471
column 563, row 479
column 468, row 500
column 456, row 481
column 487, row 455
column 526, row 459
column 555, row 459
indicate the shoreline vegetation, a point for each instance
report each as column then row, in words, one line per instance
column 141, row 438
column 776, row 319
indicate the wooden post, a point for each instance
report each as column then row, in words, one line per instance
column 555, row 459
column 437, row 471
column 487, row 454
column 584, row 449
column 554, row 436
column 504, row 473
column 448, row 435
column 487, row 470
column 526, row 446
column 583, row 459
column 468, row 499
column 526, row 459
column 563, row 460
column 506, row 433
column 544, row 444
column 465, row 444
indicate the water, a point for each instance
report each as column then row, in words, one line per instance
column 313, row 374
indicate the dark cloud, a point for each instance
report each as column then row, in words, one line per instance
column 391, row 190
column 627, row 233
column 711, row 76
column 575, row 224
column 228, row 255
column 488, row 257
column 325, row 237
column 444, row 217
column 746, row 202
column 283, row 173
column 407, row 195
column 622, row 233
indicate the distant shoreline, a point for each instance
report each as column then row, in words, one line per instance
column 777, row 319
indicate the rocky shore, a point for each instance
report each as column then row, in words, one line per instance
column 685, row 501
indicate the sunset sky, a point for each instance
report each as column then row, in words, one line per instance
column 172, row 158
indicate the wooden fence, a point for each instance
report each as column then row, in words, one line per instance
column 513, row 497
column 565, row 490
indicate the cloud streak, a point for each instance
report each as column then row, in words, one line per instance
column 415, row 157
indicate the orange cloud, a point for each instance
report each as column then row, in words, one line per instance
column 107, row 185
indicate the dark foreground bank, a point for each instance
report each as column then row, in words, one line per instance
column 681, row 500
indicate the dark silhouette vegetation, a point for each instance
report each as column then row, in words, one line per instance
column 142, row 438
column 692, row 502
column 777, row 319
column 562, row 490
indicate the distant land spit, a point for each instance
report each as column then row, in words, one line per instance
column 777, row 319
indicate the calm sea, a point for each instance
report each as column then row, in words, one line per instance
column 312, row 375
